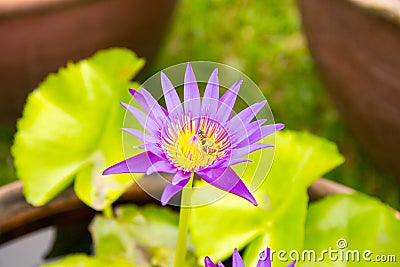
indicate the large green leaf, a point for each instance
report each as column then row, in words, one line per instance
column 278, row 221
column 352, row 224
column 144, row 236
column 70, row 129
column 300, row 159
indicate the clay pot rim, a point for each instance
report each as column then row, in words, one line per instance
column 28, row 7
column 386, row 9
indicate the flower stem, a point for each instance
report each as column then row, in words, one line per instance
column 183, row 229
column 108, row 212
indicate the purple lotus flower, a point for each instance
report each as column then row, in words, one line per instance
column 264, row 261
column 200, row 136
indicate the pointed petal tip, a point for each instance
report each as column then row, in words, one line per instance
column 208, row 262
column 150, row 171
column 279, row 126
column 190, row 78
column 123, row 104
column 116, row 168
column 144, row 90
column 227, row 180
column 164, row 77
column 108, row 171
column 166, row 196
column 262, row 121
column 237, row 260
column 236, row 86
column 252, row 200
column 132, row 91
column 249, row 197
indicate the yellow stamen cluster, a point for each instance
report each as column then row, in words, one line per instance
column 194, row 144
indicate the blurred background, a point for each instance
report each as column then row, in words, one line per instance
column 262, row 38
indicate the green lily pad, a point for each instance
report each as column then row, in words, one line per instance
column 359, row 228
column 144, row 236
column 70, row 130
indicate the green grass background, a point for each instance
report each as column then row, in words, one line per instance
column 263, row 39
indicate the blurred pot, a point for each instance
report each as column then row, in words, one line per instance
column 39, row 36
column 356, row 45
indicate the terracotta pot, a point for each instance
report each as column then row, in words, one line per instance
column 39, row 36
column 356, row 45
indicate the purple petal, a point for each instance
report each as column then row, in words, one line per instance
column 161, row 166
column 260, row 133
column 210, row 100
column 236, row 259
column 140, row 99
column 191, row 93
column 236, row 161
column 242, row 134
column 245, row 116
column 153, row 148
column 265, row 131
column 170, row 190
column 142, row 118
column 227, row 180
column 243, row 151
column 227, row 162
column 141, row 135
column 136, row 164
column 292, row 264
column 220, row 264
column 208, row 262
column 154, row 108
column 265, row 259
column 179, row 177
column 171, row 97
column 227, row 101
column 144, row 104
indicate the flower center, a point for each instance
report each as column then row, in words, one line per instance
column 194, row 144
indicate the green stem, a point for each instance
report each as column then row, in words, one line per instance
column 181, row 244
column 108, row 211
